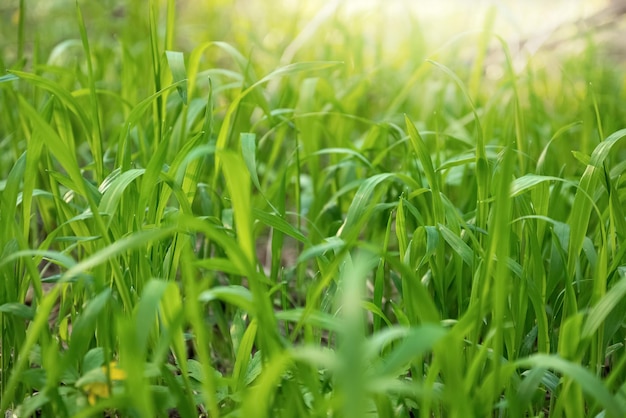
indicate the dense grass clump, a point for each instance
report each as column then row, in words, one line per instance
column 236, row 210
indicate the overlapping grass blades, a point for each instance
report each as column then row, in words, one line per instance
column 358, row 232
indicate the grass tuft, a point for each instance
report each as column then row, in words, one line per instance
column 262, row 211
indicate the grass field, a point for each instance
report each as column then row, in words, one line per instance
column 250, row 209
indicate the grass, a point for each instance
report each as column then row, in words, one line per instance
column 225, row 211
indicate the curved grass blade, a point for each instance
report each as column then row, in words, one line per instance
column 581, row 209
column 235, row 295
column 113, row 193
column 599, row 312
column 176, row 62
column 590, row 384
column 419, row 147
column 361, row 204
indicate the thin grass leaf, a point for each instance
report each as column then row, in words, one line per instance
column 401, row 230
column 589, row 383
column 316, row 319
column 248, row 150
column 172, row 316
column 581, row 210
column 480, row 146
column 7, row 78
column 176, row 62
column 298, row 67
column 18, row 309
column 223, row 265
column 57, row 147
column 280, row 224
column 95, row 139
column 331, row 244
column 34, row 332
column 257, row 401
column 223, row 136
column 361, row 203
column 63, row 95
column 9, row 198
column 138, row 239
column 416, row 342
column 113, row 192
column 346, row 151
column 33, row 159
column 235, row 295
column 239, row 188
column 541, row 161
column 419, row 147
column 529, row 181
column 598, row 313
column 458, row 245
column 84, row 326
column 244, row 356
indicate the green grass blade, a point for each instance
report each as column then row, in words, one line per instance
column 96, row 141
column 599, row 312
column 589, row 383
column 419, row 147
column 176, row 63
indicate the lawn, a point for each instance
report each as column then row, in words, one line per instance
column 279, row 209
